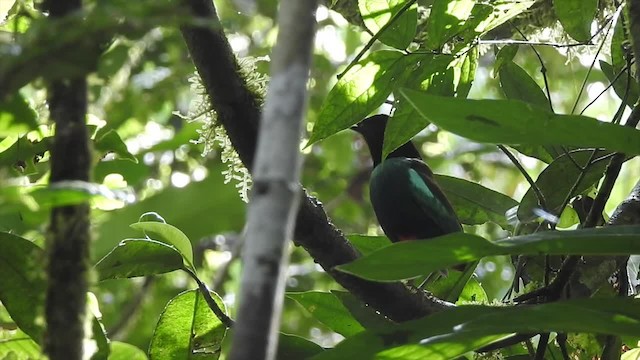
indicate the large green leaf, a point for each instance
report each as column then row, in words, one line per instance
column 377, row 13
column 360, row 91
column 515, row 122
column 409, row 259
column 139, row 257
column 624, row 85
column 327, row 309
column 518, row 85
column 433, row 74
column 296, row 347
column 16, row 116
column 453, row 332
column 487, row 16
column 168, row 234
column 446, row 20
column 22, row 283
column 368, row 244
column 18, row 153
column 107, row 141
column 124, row 351
column 188, row 329
column 576, row 16
column 475, row 204
column 556, row 181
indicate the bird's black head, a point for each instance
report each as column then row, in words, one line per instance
column 372, row 130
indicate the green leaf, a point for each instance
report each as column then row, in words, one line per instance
column 124, row 351
column 516, row 84
column 625, row 85
column 446, row 20
column 139, row 257
column 187, row 327
column 16, row 116
column 71, row 192
column 363, row 313
column 327, row 309
column 377, row 13
column 505, row 55
column 472, row 291
column 108, row 140
column 296, row 347
column 19, row 153
column 15, row 344
column 170, row 235
column 474, row 203
column 576, row 17
column 132, row 172
column 465, row 72
column 409, row 259
column 453, row 332
column 22, row 284
column 618, row 47
column 486, row 17
column 515, row 122
column 435, row 75
column 557, row 180
column 368, row 244
column 360, row 91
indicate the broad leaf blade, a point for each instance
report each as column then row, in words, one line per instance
column 168, row 234
column 446, row 20
column 451, row 333
column 576, row 17
column 515, row 122
column 139, row 257
column 377, row 13
column 518, row 85
column 475, row 204
column 360, row 91
column 409, row 259
column 186, row 327
column 557, row 180
column 22, row 283
column 327, row 309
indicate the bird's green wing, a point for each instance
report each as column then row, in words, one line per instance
column 430, row 198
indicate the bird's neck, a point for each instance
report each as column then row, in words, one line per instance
column 407, row 150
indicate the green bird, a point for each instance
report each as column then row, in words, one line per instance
column 407, row 201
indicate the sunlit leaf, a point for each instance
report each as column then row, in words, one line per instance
column 188, row 327
column 377, row 13
column 296, row 347
column 139, row 257
column 16, row 116
column 168, row 234
column 124, row 351
column 446, row 20
column 362, row 89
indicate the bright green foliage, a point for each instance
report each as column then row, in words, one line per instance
column 187, row 329
column 378, row 13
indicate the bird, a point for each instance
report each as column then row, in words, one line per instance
column 406, row 199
